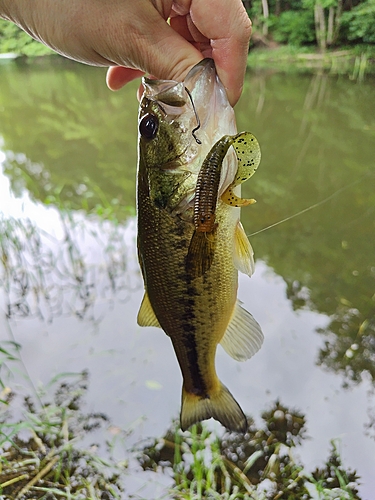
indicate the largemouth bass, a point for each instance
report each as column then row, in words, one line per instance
column 191, row 243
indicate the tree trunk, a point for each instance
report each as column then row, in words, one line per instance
column 331, row 17
column 247, row 4
column 278, row 8
column 320, row 26
column 337, row 20
column 266, row 16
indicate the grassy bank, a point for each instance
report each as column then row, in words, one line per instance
column 355, row 62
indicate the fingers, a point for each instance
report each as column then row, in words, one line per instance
column 169, row 51
column 229, row 33
column 155, row 48
column 118, row 76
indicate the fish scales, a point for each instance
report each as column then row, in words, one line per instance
column 184, row 306
column 196, row 309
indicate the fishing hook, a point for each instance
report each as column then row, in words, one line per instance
column 196, row 117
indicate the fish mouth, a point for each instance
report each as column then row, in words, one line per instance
column 199, row 87
column 203, row 94
column 201, row 77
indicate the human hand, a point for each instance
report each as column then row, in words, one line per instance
column 135, row 38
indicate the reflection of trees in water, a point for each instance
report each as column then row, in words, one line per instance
column 317, row 136
column 47, row 276
column 350, row 344
column 68, row 139
column 43, row 455
column 259, row 464
column 78, row 144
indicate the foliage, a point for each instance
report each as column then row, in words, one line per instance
column 359, row 23
column 293, row 27
column 290, row 21
column 257, row 465
column 13, row 39
column 40, row 457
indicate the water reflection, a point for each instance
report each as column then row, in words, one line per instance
column 320, row 147
column 259, row 464
column 40, row 454
column 72, row 144
column 43, row 454
column 46, row 276
column 68, row 139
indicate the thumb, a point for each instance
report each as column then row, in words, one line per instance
column 155, row 49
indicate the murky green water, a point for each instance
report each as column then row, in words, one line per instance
column 71, row 286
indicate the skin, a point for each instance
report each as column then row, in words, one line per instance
column 134, row 38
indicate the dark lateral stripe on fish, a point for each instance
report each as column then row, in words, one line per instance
column 199, row 386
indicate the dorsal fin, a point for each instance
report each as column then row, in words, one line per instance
column 243, row 337
column 146, row 315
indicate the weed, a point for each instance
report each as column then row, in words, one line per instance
column 40, row 457
column 257, row 465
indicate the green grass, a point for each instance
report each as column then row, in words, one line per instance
column 40, row 456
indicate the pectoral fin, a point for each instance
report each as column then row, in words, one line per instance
column 146, row 315
column 201, row 253
column 243, row 337
column 243, row 252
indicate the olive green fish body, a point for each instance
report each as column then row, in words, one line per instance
column 196, row 309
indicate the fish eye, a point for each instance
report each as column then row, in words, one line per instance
column 148, row 126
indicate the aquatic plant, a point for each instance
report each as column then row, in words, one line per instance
column 40, row 456
column 46, row 276
column 258, row 465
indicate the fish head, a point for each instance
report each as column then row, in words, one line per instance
column 166, row 122
column 179, row 122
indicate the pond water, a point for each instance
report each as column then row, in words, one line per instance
column 71, row 286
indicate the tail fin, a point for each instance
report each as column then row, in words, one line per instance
column 221, row 406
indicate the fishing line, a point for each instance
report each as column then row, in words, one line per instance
column 311, row 207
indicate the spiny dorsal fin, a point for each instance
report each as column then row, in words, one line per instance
column 146, row 315
column 243, row 252
column 243, row 337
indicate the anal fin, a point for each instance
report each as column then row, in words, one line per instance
column 244, row 336
column 146, row 315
